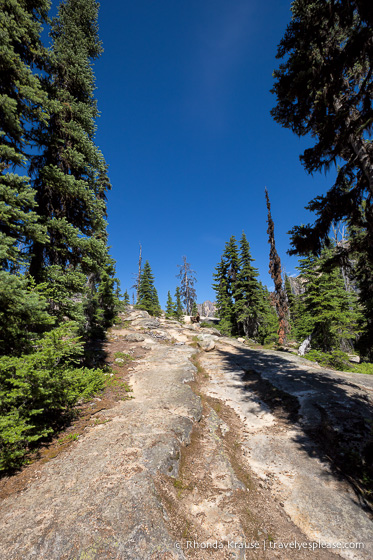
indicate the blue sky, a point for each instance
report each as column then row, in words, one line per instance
column 183, row 90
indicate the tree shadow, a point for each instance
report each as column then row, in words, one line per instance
column 333, row 414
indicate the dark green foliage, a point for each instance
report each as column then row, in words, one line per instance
column 126, row 298
column 22, row 106
column 327, row 311
column 23, row 314
column 337, row 359
column 324, row 89
column 194, row 310
column 268, row 320
column 170, row 306
column 225, row 285
column 54, row 262
column 224, row 303
column 246, row 292
column 70, row 173
column 148, row 297
column 179, row 312
column 243, row 304
column 37, row 388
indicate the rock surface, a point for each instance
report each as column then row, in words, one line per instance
column 225, row 452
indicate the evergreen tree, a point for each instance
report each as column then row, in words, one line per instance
column 246, row 292
column 194, row 309
column 268, row 320
column 170, row 306
column 225, row 287
column 179, row 312
column 324, row 90
column 329, row 313
column 276, row 274
column 126, row 298
column 187, row 280
column 22, row 107
column 148, row 297
column 70, row 173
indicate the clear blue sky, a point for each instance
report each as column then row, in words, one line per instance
column 183, row 88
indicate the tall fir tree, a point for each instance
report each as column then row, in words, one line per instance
column 328, row 312
column 179, row 311
column 246, row 292
column 148, row 297
column 225, row 286
column 194, row 309
column 23, row 105
column 70, row 173
column 170, row 306
column 268, row 320
column 324, row 90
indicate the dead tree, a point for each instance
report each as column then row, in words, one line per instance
column 276, row 274
column 137, row 275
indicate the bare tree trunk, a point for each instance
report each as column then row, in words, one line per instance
column 276, row 274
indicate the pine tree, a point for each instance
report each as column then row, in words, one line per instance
column 194, row 309
column 268, row 320
column 324, row 90
column 225, row 285
column 170, row 306
column 70, row 173
column 246, row 292
column 276, row 275
column 126, row 298
column 329, row 313
column 22, row 107
column 179, row 311
column 148, row 297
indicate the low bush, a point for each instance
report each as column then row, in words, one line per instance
column 38, row 389
column 335, row 359
column 364, row 368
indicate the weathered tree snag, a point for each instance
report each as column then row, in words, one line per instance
column 275, row 272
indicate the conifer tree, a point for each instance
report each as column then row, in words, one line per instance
column 268, row 320
column 224, row 302
column 148, row 297
column 70, row 173
column 170, row 306
column 329, row 313
column 225, row 286
column 22, row 107
column 194, row 309
column 179, row 311
column 246, row 292
column 126, row 298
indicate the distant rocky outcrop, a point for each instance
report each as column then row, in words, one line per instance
column 207, row 309
column 297, row 285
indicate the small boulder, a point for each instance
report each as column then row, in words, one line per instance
column 240, row 339
column 134, row 337
column 206, row 345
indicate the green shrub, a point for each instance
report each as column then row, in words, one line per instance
column 38, row 389
column 335, row 359
column 364, row 368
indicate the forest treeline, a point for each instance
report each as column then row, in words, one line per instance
column 57, row 279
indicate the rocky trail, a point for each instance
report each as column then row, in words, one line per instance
column 224, row 452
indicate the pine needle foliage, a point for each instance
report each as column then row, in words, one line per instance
column 148, row 296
